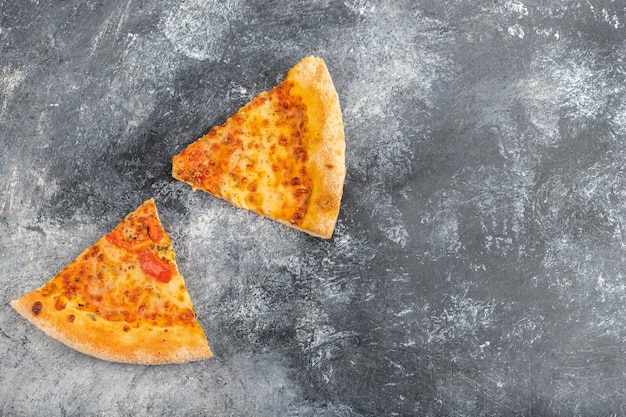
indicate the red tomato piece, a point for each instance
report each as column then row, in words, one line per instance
column 155, row 267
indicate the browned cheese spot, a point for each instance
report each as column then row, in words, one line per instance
column 36, row 308
column 60, row 303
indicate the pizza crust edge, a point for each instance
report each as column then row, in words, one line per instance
column 326, row 160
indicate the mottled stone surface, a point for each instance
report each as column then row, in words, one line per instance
column 478, row 263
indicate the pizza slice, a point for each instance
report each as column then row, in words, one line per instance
column 282, row 155
column 122, row 299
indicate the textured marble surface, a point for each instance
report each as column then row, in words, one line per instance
column 478, row 263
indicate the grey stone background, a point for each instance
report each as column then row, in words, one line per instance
column 478, row 263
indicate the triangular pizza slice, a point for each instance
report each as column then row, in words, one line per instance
column 282, row 155
column 122, row 299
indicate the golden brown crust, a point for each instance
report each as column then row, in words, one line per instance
column 108, row 341
column 326, row 163
column 282, row 155
column 106, row 305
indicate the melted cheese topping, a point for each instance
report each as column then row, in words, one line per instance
column 122, row 299
column 257, row 159
column 110, row 281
